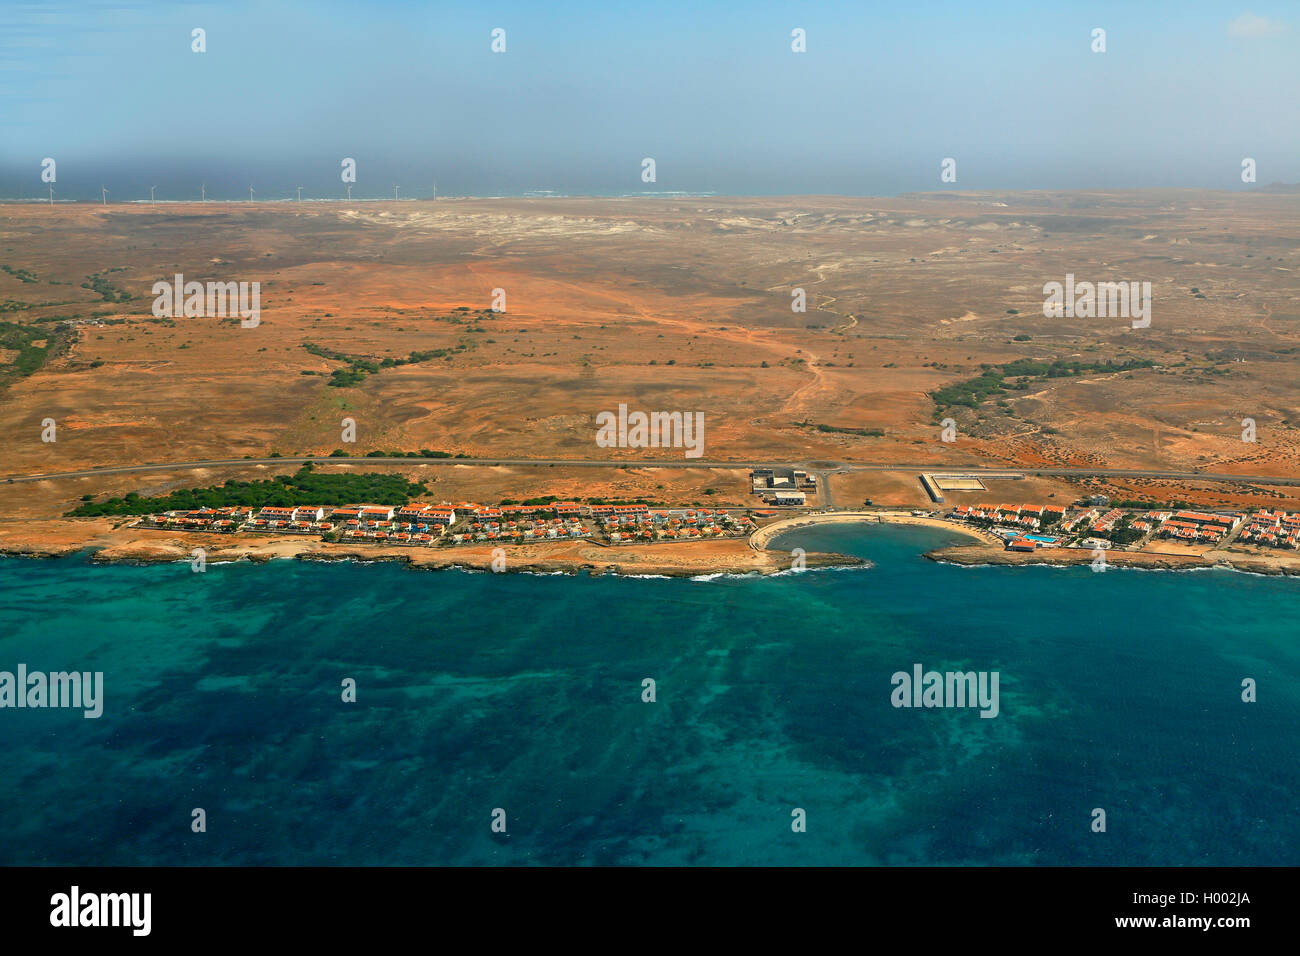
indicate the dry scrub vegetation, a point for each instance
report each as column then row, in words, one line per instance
column 674, row 304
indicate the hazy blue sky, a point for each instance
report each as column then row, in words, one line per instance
column 584, row 90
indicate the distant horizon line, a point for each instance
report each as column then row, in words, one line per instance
column 663, row 194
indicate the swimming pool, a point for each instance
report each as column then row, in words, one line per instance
column 1040, row 538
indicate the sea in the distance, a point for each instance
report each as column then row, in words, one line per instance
column 1119, row 690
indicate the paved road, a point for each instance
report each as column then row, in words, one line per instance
column 820, row 466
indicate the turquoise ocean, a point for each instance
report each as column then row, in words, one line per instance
column 1119, row 690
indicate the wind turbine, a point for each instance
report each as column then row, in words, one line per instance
column 349, row 191
column 394, row 192
column 299, row 194
column 435, row 189
column 51, row 194
column 250, row 192
column 203, row 192
column 151, row 189
column 104, row 195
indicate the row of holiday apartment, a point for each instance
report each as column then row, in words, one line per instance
column 1030, row 517
column 1273, row 528
column 415, row 514
column 624, row 526
column 421, row 523
column 1015, row 521
column 676, row 526
column 1189, row 526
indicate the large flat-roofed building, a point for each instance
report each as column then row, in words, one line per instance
column 957, row 483
column 932, row 489
column 783, row 497
column 763, row 480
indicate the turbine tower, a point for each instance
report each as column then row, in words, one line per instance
column 104, row 195
column 151, row 189
column 250, row 192
column 299, row 194
column 349, row 191
column 51, row 194
column 394, row 192
column 203, row 192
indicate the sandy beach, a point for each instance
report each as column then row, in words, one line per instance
column 764, row 535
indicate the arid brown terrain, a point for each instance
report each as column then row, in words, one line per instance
column 664, row 305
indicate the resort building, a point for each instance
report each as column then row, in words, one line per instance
column 1198, row 526
column 411, row 513
column 1079, row 521
column 1273, row 529
column 606, row 511
column 1107, row 521
column 1204, row 519
column 1022, row 516
column 374, row 514
column 446, row 517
